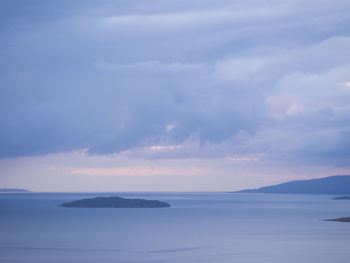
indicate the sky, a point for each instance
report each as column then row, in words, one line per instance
column 163, row 95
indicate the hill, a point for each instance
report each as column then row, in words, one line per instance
column 342, row 198
column 337, row 184
column 341, row 219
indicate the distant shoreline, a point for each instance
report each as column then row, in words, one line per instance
column 334, row 185
column 13, row 190
column 340, row 219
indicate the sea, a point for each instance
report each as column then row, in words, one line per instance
column 198, row 227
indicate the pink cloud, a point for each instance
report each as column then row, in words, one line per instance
column 139, row 171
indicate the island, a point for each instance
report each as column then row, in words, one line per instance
column 115, row 202
column 13, row 190
column 341, row 219
column 337, row 184
column 342, row 198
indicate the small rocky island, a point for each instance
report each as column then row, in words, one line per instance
column 342, row 198
column 341, row 219
column 115, row 202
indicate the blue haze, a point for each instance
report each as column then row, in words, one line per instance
column 199, row 227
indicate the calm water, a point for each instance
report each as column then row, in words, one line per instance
column 199, row 227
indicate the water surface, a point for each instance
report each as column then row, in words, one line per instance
column 199, row 227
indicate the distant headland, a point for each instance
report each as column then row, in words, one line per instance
column 337, row 184
column 341, row 219
column 342, row 198
column 13, row 190
column 115, row 202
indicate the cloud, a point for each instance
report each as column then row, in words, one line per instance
column 150, row 67
column 139, row 171
column 194, row 19
column 211, row 80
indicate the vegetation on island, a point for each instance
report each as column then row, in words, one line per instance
column 115, row 202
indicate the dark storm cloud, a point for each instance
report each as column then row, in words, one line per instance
column 235, row 77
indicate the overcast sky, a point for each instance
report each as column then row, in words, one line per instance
column 162, row 95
